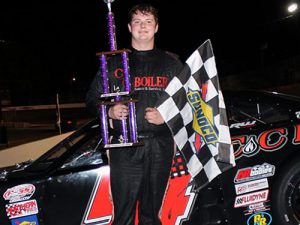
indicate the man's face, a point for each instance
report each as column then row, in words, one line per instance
column 143, row 26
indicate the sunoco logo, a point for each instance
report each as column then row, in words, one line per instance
column 203, row 122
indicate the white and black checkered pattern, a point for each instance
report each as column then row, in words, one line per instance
column 210, row 160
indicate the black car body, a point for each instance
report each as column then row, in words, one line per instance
column 69, row 184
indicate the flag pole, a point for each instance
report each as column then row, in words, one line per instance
column 58, row 119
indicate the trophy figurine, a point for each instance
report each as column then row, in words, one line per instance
column 109, row 98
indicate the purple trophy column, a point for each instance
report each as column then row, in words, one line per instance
column 113, row 47
column 111, row 32
column 102, row 109
column 131, row 105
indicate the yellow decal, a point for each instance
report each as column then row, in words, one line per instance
column 203, row 122
column 27, row 223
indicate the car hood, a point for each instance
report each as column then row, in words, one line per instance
column 14, row 171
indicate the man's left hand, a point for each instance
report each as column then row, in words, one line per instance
column 152, row 115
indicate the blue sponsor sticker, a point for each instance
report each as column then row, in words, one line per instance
column 27, row 220
column 261, row 218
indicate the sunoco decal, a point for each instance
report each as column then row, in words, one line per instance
column 251, row 186
column 28, row 220
column 254, row 173
column 19, row 193
column 203, row 121
column 252, row 198
column 261, row 218
column 21, row 209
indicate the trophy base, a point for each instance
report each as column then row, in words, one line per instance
column 120, row 145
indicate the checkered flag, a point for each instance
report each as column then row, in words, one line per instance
column 194, row 109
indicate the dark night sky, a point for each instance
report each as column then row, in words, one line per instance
column 45, row 43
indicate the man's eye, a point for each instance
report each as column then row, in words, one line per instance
column 151, row 22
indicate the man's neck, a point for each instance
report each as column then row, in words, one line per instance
column 142, row 46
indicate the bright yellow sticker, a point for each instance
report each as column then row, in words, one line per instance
column 203, row 122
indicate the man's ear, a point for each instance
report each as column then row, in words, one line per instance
column 129, row 27
column 156, row 28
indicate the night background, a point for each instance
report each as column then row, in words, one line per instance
column 49, row 47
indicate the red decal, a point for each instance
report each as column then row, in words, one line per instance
column 151, row 81
column 238, row 143
column 267, row 141
column 296, row 139
column 264, row 139
column 178, row 202
column 19, row 193
column 118, row 73
column 100, row 206
column 197, row 142
column 243, row 173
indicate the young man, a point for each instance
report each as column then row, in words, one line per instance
column 139, row 175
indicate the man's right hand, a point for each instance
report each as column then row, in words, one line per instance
column 118, row 112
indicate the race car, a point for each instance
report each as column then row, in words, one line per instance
column 69, row 184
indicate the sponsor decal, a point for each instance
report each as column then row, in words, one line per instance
column 252, row 198
column 243, row 124
column 254, row 173
column 141, row 82
column 28, row 220
column 20, row 209
column 261, row 218
column 19, row 193
column 258, row 207
column 251, row 186
column 150, row 82
column 268, row 141
column 203, row 121
column 177, row 205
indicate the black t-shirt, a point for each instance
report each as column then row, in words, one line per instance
column 149, row 74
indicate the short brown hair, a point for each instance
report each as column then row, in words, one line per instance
column 144, row 8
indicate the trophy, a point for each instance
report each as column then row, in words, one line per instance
column 128, row 126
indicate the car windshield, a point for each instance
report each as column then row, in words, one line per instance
column 79, row 149
column 259, row 107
